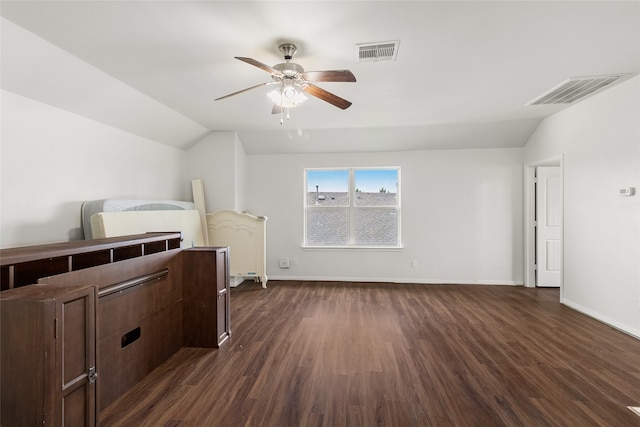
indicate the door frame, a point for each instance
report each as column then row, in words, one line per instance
column 529, row 220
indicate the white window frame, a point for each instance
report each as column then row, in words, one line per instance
column 352, row 208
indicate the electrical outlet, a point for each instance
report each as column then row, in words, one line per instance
column 627, row 191
column 295, row 261
column 414, row 263
column 284, row 263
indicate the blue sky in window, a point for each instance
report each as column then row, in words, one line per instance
column 372, row 180
column 367, row 180
column 328, row 180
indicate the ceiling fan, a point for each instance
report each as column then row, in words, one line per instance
column 292, row 82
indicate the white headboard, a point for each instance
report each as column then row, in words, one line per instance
column 245, row 235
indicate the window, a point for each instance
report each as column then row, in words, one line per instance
column 354, row 207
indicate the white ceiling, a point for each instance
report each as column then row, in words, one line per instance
column 463, row 73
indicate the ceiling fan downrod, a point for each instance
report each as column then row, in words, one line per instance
column 288, row 50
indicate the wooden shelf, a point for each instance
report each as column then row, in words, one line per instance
column 25, row 265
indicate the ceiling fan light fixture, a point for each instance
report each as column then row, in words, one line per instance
column 286, row 95
column 292, row 83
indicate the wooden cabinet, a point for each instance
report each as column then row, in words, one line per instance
column 26, row 265
column 147, row 299
column 134, row 276
column 206, row 304
column 47, row 356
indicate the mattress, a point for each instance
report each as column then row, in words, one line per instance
column 89, row 208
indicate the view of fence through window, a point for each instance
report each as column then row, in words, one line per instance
column 352, row 207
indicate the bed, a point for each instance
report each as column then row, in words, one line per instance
column 89, row 208
column 245, row 235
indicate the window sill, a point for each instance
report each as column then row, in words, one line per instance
column 353, row 248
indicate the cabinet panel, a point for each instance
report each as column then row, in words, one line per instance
column 44, row 381
column 76, row 322
column 222, row 286
column 206, row 296
column 74, row 409
column 74, row 351
column 223, row 327
column 138, row 331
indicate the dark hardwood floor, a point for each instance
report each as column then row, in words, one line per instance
column 371, row 354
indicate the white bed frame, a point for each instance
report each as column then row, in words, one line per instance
column 245, row 235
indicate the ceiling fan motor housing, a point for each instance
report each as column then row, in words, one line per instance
column 289, row 68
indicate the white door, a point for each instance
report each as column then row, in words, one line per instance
column 548, row 230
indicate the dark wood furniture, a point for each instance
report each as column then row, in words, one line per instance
column 27, row 265
column 206, row 293
column 138, row 314
column 48, row 357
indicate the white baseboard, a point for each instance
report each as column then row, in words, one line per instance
column 602, row 318
column 234, row 281
column 396, row 280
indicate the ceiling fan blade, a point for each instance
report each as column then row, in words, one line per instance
column 329, row 76
column 327, row 96
column 245, row 90
column 276, row 109
column 259, row 64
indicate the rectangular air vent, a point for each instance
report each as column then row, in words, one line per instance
column 374, row 52
column 576, row 88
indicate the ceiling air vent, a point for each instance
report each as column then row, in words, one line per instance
column 576, row 88
column 374, row 52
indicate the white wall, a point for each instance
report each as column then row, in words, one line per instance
column 53, row 160
column 240, row 159
column 461, row 217
column 600, row 141
column 40, row 70
column 219, row 160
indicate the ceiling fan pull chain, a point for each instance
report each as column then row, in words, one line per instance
column 281, row 110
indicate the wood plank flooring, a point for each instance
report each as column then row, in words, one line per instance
column 372, row 354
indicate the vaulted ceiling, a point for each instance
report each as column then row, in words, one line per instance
column 462, row 76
